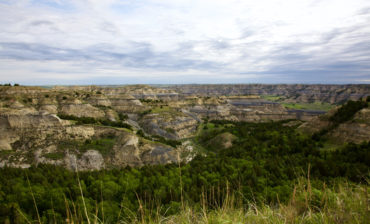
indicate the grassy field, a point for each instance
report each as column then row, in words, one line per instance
column 161, row 109
column 300, row 106
column 309, row 106
column 272, row 98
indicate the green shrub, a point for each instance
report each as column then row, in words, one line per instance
column 54, row 155
column 347, row 111
column 91, row 120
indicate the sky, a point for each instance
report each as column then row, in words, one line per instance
column 83, row 42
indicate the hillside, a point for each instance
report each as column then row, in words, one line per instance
column 95, row 127
column 348, row 123
column 269, row 170
column 145, row 154
column 229, row 171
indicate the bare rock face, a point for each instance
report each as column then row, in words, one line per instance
column 293, row 93
column 82, row 110
column 129, row 150
column 7, row 136
column 171, row 125
column 49, row 108
column 356, row 130
column 126, row 151
column 32, row 121
column 126, row 104
column 111, row 115
column 82, row 132
column 99, row 100
column 31, row 133
column 314, row 125
column 91, row 160
column 159, row 154
column 222, row 141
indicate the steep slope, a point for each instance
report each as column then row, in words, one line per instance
column 348, row 123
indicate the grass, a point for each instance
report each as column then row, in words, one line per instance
column 309, row 106
column 102, row 145
column 272, row 98
column 300, row 106
column 54, row 155
column 310, row 202
column 343, row 203
column 5, row 152
column 203, row 127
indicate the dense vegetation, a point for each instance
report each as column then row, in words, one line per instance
column 262, row 165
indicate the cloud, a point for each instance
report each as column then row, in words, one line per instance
column 236, row 41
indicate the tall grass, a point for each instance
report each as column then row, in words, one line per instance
column 344, row 202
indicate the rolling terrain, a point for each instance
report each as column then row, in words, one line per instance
column 92, row 127
column 144, row 154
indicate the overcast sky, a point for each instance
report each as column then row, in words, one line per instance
column 184, row 41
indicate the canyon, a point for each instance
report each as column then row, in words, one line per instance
column 98, row 127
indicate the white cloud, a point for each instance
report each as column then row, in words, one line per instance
column 227, row 37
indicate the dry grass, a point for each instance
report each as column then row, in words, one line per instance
column 345, row 203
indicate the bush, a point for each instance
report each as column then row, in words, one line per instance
column 347, row 111
column 140, row 133
column 91, row 120
column 122, row 116
column 166, row 141
column 145, row 112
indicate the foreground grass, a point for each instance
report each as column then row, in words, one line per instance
column 343, row 203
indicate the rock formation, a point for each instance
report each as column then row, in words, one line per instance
column 96, row 127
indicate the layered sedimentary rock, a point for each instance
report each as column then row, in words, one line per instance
column 355, row 130
column 293, row 93
column 122, row 125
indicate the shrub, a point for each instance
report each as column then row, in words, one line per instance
column 91, row 120
column 347, row 111
column 122, row 116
